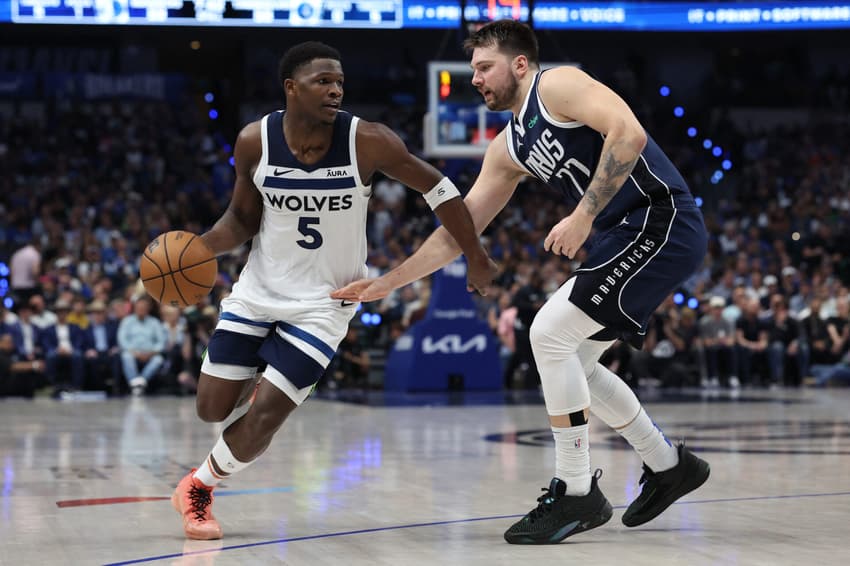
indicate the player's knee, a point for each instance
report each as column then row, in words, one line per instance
column 551, row 331
column 542, row 329
column 209, row 410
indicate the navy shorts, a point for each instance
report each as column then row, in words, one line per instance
column 633, row 267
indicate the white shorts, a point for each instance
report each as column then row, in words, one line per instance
column 293, row 340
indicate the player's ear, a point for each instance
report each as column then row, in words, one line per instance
column 288, row 86
column 520, row 64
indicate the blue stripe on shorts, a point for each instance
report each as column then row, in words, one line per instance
column 314, row 341
column 295, row 365
column 236, row 318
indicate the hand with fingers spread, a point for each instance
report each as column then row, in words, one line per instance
column 363, row 290
column 568, row 235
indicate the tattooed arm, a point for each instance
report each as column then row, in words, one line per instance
column 615, row 165
column 571, row 95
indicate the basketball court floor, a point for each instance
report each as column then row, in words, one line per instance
column 419, row 479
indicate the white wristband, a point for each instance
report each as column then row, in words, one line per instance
column 442, row 191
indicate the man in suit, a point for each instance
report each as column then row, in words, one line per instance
column 63, row 346
column 27, row 349
column 102, row 362
column 27, row 335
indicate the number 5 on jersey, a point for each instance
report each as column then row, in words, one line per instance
column 312, row 237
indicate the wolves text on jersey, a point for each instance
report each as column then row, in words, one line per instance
column 308, row 203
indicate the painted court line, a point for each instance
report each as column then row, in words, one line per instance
column 114, row 500
column 456, row 521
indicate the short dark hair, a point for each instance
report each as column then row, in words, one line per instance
column 302, row 54
column 508, row 36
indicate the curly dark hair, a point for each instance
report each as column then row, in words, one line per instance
column 301, row 54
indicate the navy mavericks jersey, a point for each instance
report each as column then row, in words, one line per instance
column 564, row 155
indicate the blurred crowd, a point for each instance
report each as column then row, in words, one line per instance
column 84, row 192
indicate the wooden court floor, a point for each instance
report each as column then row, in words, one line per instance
column 420, row 480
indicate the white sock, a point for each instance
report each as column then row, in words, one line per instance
column 207, row 474
column 572, row 458
column 647, row 439
column 235, row 415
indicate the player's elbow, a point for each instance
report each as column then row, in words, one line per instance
column 639, row 140
column 635, row 138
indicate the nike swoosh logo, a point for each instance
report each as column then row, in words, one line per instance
column 279, row 172
column 345, row 303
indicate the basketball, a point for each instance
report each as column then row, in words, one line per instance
column 178, row 269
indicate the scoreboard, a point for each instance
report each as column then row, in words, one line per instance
column 396, row 14
column 388, row 14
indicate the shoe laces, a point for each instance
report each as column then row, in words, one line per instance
column 201, row 499
column 544, row 505
column 647, row 475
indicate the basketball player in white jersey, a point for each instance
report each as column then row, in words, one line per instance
column 302, row 188
column 577, row 136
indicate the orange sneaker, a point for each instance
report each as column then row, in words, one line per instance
column 193, row 500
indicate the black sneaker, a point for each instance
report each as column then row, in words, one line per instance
column 558, row 516
column 661, row 489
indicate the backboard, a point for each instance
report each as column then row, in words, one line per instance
column 457, row 123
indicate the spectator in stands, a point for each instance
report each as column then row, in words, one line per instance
column 816, row 332
column 784, row 345
column 78, row 314
column 392, row 193
column 142, row 340
column 102, row 352
column 350, row 365
column 735, row 309
column 505, row 330
column 838, row 328
column 668, row 357
column 680, row 329
column 27, row 336
column 25, row 267
column 770, row 290
column 63, row 344
column 751, row 340
column 41, row 317
column 724, row 287
column 200, row 327
column 177, row 343
column 717, row 335
column 17, row 377
column 800, row 300
column 527, row 299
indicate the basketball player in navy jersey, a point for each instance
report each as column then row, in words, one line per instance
column 576, row 135
column 302, row 188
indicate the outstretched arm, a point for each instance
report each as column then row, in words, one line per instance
column 380, row 149
column 241, row 221
column 571, row 94
column 487, row 197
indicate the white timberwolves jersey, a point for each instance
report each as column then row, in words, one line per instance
column 312, row 236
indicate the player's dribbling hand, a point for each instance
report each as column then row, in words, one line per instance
column 480, row 273
column 568, row 235
column 363, row 291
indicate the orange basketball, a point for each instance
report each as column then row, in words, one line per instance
column 178, row 269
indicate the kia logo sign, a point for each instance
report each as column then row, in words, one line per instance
column 454, row 344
